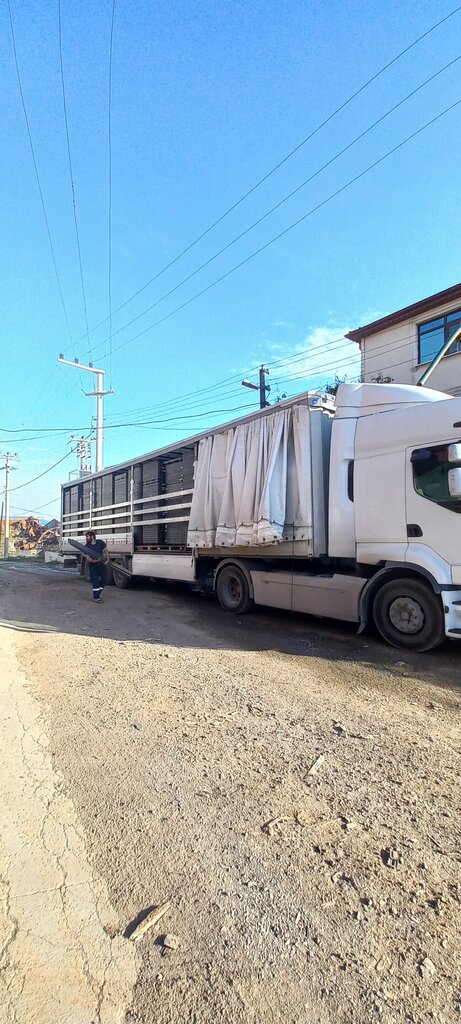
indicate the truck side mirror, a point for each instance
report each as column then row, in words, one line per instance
column 454, row 480
column 454, row 452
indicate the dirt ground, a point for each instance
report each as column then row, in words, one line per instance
column 291, row 787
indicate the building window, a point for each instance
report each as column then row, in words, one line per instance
column 435, row 333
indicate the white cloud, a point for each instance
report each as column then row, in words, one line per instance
column 322, row 353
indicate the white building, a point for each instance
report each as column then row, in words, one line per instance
column 402, row 345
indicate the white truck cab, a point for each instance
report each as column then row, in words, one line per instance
column 395, row 503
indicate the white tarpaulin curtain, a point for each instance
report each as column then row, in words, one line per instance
column 253, row 483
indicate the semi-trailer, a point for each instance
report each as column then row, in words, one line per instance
column 346, row 508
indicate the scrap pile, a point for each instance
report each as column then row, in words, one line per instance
column 31, row 535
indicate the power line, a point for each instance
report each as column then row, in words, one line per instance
column 194, row 396
column 36, row 402
column 295, row 357
column 286, row 230
column 289, row 359
column 281, row 202
column 325, row 367
column 37, row 176
column 309, row 373
column 74, row 204
column 38, row 508
column 45, row 471
column 284, row 159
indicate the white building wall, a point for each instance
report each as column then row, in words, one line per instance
column 394, row 353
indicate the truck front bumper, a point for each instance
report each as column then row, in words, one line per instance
column 452, row 609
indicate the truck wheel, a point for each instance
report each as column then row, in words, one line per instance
column 232, row 590
column 120, row 579
column 408, row 614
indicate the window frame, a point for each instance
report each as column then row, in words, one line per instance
column 452, row 504
column 444, row 321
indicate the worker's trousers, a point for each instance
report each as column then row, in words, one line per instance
column 98, row 576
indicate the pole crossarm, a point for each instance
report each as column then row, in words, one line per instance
column 80, row 366
column 262, row 387
column 99, row 394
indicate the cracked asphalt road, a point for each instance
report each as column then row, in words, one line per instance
column 157, row 748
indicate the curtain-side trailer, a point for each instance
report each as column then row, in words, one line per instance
column 349, row 512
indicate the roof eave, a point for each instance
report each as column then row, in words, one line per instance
column 407, row 313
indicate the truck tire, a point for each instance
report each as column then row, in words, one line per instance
column 408, row 614
column 233, row 590
column 120, row 579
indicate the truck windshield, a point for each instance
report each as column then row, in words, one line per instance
column 430, row 476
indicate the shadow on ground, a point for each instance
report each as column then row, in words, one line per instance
column 35, row 600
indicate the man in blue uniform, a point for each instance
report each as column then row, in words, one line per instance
column 97, row 564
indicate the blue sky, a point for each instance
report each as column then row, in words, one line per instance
column 206, row 99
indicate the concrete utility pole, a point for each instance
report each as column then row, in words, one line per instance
column 99, row 394
column 262, row 387
column 7, row 467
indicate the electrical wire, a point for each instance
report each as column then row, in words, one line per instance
column 32, row 512
column 290, row 227
column 284, row 160
column 197, row 393
column 190, row 399
column 172, row 422
column 37, row 176
column 45, row 471
column 278, row 205
column 308, row 373
column 71, row 175
column 38, row 397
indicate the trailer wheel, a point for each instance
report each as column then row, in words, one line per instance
column 408, row 614
column 233, row 590
column 120, row 579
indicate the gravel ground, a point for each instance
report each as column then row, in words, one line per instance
column 292, row 788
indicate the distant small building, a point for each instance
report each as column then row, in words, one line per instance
column 53, row 524
column 402, row 345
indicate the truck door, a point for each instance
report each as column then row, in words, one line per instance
column 433, row 514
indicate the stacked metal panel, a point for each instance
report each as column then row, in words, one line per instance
column 179, row 476
column 151, row 486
